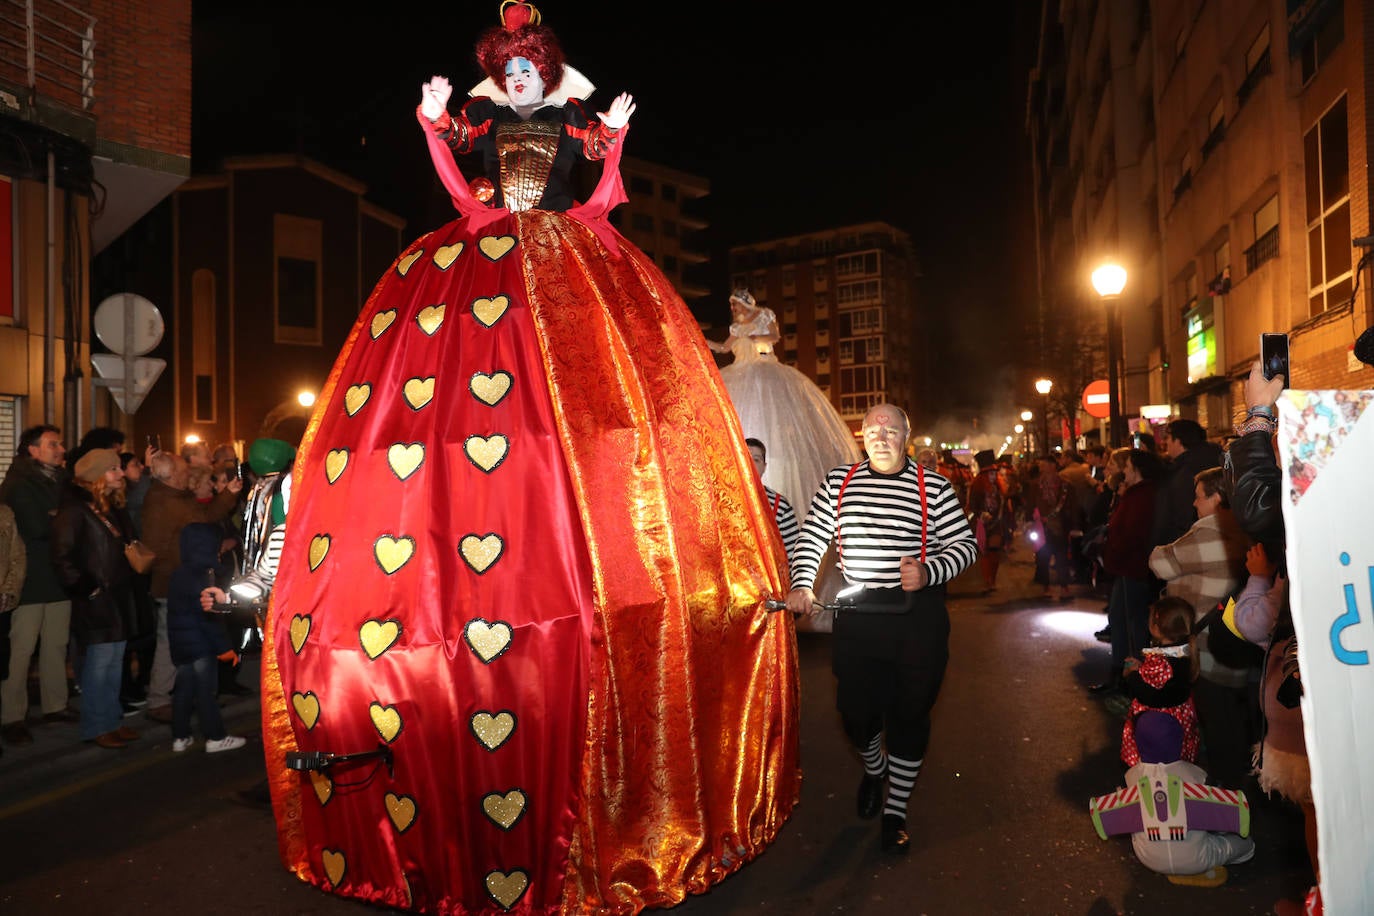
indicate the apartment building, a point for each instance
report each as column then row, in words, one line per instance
column 846, row 303
column 1239, row 131
column 663, row 221
column 91, row 138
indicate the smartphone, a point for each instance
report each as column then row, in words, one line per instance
column 1274, row 357
column 154, row 442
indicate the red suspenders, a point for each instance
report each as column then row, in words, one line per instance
column 920, row 485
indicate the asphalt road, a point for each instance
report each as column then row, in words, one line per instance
column 999, row 818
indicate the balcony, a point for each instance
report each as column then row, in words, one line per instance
column 1213, row 139
column 47, row 65
column 1185, row 181
column 1266, row 248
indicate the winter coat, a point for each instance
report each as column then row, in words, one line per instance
column 13, row 560
column 1127, row 551
column 166, row 511
column 34, row 495
column 90, row 564
column 191, row 632
column 1174, row 511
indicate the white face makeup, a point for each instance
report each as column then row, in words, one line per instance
column 523, row 84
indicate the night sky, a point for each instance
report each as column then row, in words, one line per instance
column 801, row 120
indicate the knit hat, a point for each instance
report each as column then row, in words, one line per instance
column 1158, row 737
column 93, row 465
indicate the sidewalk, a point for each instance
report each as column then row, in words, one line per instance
column 58, row 759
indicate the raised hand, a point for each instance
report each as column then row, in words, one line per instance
column 619, row 114
column 1261, row 391
column 434, row 97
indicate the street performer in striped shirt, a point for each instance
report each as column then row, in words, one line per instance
column 901, row 536
column 783, row 513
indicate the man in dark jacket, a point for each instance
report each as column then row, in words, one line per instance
column 1189, row 452
column 33, row 489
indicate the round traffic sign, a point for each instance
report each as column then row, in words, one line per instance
column 1097, row 399
column 147, row 326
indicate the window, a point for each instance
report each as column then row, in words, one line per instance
column 642, row 222
column 1266, row 224
column 203, row 335
column 865, row 264
column 1328, row 37
column 299, row 302
column 670, row 263
column 857, row 293
column 1326, row 167
column 670, row 228
column 668, row 192
column 861, row 322
column 9, row 429
column 1216, row 128
column 1221, row 258
column 1256, row 65
column 640, row 185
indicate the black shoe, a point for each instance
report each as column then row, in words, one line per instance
column 1111, row 685
column 871, row 795
column 895, row 838
column 1103, row 635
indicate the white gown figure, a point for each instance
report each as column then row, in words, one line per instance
column 781, row 407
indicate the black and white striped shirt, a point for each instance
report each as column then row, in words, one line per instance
column 786, row 517
column 880, row 523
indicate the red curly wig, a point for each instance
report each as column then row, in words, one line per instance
column 521, row 35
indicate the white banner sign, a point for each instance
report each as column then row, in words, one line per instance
column 1326, row 447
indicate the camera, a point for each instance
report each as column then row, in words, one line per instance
column 1274, row 357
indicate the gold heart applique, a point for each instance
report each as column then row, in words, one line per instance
column 490, row 389
column 405, row 459
column 488, row 640
column 324, row 786
column 381, row 321
column 430, row 317
column 504, row 810
column 506, row 888
column 307, row 707
column 300, row 629
column 447, row 254
column 334, row 866
column 334, row 463
column 319, row 546
column 489, row 311
column 487, row 452
column 480, row 552
column 355, row 397
column 492, row 730
column 393, row 553
column 377, row 636
column 386, row 720
column 403, row 266
column 401, row 810
column 496, row 246
column 419, row 391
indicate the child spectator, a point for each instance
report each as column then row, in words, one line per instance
column 1163, row 679
column 1192, row 840
column 197, row 641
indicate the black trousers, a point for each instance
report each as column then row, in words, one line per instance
column 888, row 670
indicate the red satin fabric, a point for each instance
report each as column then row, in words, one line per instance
column 653, row 701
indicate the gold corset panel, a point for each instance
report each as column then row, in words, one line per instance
column 526, row 152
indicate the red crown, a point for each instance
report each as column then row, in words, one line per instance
column 515, row 14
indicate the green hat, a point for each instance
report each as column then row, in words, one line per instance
column 267, row 456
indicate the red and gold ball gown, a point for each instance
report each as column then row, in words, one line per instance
column 527, row 553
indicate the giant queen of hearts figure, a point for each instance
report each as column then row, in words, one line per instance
column 527, row 556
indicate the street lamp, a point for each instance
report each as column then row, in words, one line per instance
column 1026, row 417
column 1109, row 280
column 1020, row 430
column 1043, row 386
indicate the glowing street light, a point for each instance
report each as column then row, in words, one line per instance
column 1042, row 387
column 306, row 398
column 1109, row 280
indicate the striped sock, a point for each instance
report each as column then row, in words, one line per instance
column 875, row 761
column 901, row 779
